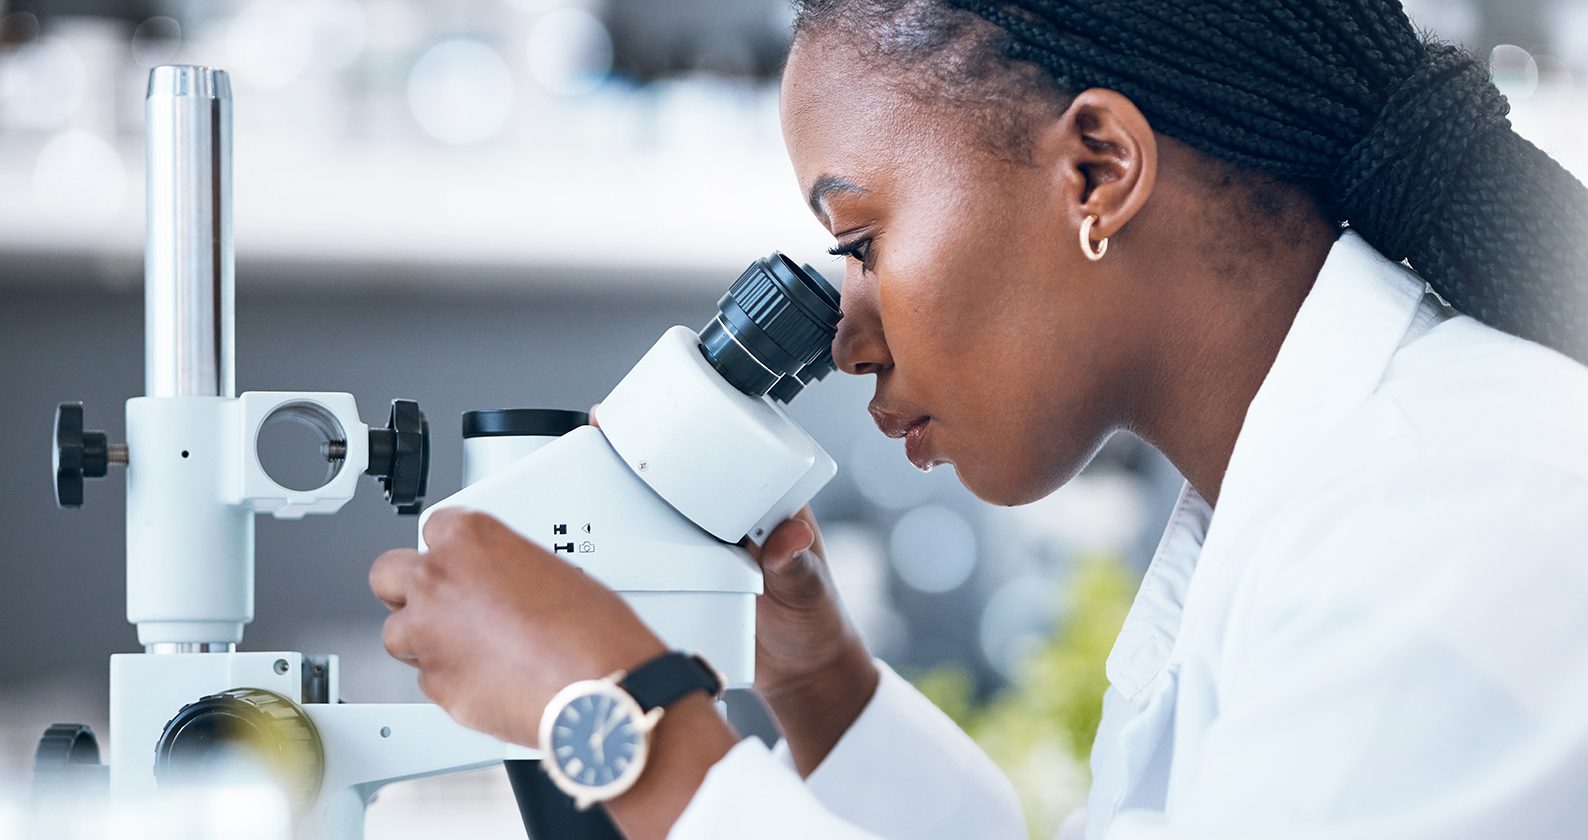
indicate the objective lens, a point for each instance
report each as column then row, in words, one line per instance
column 773, row 329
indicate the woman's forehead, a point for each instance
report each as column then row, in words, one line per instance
column 844, row 117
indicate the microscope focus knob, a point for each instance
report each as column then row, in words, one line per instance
column 79, row 454
column 66, row 761
column 250, row 727
column 399, row 455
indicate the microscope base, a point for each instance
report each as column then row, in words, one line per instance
column 364, row 746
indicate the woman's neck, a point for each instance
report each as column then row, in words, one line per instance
column 1227, row 320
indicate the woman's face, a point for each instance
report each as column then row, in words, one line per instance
column 966, row 294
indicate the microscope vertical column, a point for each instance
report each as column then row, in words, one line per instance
column 188, row 280
column 189, row 546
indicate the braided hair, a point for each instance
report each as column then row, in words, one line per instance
column 1402, row 138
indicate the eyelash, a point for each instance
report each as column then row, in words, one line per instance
column 859, row 250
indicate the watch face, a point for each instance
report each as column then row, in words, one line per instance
column 597, row 741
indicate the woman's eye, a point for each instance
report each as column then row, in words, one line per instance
column 860, row 251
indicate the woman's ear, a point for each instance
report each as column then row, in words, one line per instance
column 1104, row 156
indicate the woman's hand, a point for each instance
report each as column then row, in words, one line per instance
column 810, row 665
column 496, row 625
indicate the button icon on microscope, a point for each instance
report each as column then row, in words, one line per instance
column 560, row 530
column 561, row 548
column 586, row 547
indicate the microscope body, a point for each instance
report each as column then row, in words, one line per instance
column 655, row 501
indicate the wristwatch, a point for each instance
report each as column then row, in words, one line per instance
column 596, row 734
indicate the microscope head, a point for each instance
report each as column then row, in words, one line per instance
column 697, row 419
column 700, row 418
column 695, row 453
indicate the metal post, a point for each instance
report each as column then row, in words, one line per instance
column 188, row 280
column 190, row 549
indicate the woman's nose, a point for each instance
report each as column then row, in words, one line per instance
column 859, row 347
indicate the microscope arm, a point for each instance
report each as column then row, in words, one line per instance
column 371, row 745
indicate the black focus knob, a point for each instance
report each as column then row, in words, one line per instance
column 79, row 454
column 247, row 725
column 777, row 318
column 399, row 455
column 66, row 761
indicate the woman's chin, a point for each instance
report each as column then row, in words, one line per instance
column 1013, row 486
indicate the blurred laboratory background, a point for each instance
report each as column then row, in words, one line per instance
column 502, row 203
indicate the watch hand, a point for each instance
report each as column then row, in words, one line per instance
column 606, row 728
column 599, row 735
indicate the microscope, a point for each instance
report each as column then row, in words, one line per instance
column 657, row 501
column 695, row 455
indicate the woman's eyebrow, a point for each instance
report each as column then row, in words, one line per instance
column 825, row 186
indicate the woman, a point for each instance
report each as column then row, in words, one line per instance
column 1189, row 220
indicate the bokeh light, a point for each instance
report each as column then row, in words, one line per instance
column 460, row 91
column 933, row 549
column 268, row 43
column 1018, row 617
column 338, row 30
column 156, row 41
column 570, row 51
column 43, row 84
column 1514, row 70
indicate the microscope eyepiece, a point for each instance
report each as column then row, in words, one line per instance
column 776, row 323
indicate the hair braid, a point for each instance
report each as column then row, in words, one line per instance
column 1407, row 141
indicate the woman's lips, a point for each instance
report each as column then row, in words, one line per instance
column 918, row 445
column 914, row 427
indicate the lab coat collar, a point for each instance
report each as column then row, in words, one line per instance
column 1148, row 633
column 1332, row 359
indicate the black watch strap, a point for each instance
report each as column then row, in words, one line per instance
column 668, row 677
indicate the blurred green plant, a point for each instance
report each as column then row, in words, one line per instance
column 1039, row 729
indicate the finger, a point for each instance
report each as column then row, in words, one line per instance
column 442, row 525
column 390, row 575
column 786, row 546
column 453, row 525
column 394, row 635
column 809, row 517
column 592, row 413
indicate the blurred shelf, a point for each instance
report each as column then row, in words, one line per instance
column 379, row 215
column 667, row 189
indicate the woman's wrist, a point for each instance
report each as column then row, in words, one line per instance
column 688, row 741
column 814, row 713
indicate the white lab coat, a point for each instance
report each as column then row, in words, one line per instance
column 1381, row 633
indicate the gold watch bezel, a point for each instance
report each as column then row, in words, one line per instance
column 644, row 723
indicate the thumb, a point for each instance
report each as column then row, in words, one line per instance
column 787, row 550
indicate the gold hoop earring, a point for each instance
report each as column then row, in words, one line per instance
column 1086, row 241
